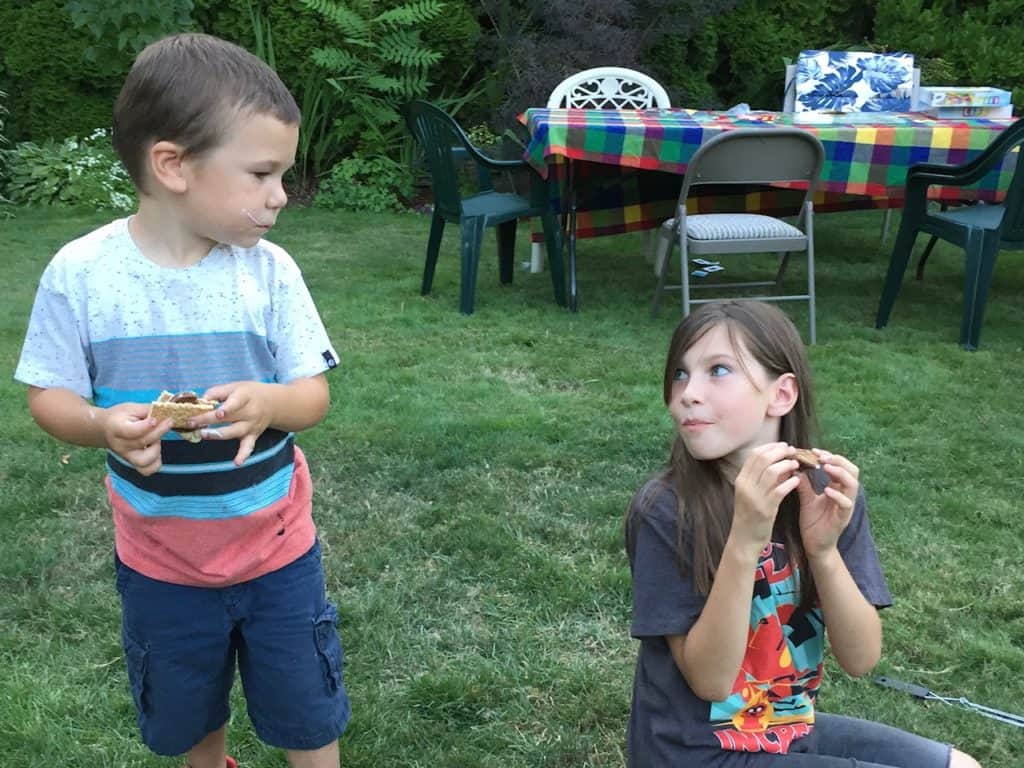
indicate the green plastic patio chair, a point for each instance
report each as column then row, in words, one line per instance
column 981, row 230
column 444, row 145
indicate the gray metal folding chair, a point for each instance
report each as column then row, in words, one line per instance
column 744, row 156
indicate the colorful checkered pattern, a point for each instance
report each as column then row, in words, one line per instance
column 865, row 162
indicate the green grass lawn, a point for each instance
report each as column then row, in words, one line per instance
column 470, row 483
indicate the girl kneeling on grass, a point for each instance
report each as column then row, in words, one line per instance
column 739, row 567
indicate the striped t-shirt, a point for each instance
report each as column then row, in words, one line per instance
column 114, row 327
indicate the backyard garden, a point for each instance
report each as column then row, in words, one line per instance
column 472, row 474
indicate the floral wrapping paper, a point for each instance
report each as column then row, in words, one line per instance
column 854, row 81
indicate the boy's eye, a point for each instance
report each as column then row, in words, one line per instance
column 720, row 370
column 261, row 174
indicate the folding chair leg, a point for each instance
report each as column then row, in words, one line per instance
column 684, row 273
column 472, row 239
column 811, row 300
column 901, row 250
column 783, row 263
column 506, row 233
column 662, row 245
column 433, row 248
column 662, row 260
column 982, row 249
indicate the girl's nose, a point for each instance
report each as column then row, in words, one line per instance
column 691, row 391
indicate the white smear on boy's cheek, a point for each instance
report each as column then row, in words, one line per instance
column 252, row 218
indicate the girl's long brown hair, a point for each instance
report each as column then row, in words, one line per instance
column 705, row 495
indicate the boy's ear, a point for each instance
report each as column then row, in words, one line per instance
column 166, row 166
column 785, row 393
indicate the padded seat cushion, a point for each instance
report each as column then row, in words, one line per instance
column 738, row 226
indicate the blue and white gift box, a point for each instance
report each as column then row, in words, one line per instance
column 854, row 81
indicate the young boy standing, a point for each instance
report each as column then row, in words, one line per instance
column 217, row 558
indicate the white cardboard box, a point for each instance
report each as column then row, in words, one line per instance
column 962, row 96
column 951, row 113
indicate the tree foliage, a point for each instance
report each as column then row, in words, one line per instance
column 124, row 28
column 378, row 64
column 534, row 44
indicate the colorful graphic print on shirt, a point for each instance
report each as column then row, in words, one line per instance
column 772, row 700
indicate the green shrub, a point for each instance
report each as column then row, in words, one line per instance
column 124, row 28
column 53, row 90
column 376, row 64
column 3, row 112
column 980, row 43
column 70, row 172
column 4, row 202
column 360, row 183
column 754, row 40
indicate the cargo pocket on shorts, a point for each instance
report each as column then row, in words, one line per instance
column 137, row 658
column 325, row 629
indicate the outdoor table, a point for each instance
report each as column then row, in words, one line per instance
column 596, row 153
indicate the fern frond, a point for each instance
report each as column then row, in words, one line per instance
column 376, row 111
column 384, row 84
column 403, row 47
column 335, row 59
column 348, row 21
column 410, row 14
column 414, row 84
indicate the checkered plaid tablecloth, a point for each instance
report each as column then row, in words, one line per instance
column 866, row 161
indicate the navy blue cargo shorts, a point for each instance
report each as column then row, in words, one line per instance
column 182, row 643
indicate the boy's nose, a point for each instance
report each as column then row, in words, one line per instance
column 278, row 197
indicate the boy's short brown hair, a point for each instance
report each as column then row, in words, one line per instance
column 186, row 89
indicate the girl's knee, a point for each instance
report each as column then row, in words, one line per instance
column 958, row 759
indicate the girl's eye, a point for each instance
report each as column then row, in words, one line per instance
column 261, row 174
column 679, row 375
column 719, row 370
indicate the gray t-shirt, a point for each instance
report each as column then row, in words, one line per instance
column 772, row 702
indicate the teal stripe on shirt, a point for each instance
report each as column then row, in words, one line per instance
column 104, row 397
column 235, row 504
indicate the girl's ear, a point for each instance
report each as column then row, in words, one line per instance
column 166, row 166
column 785, row 393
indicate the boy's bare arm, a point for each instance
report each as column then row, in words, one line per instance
column 301, row 403
column 250, row 407
column 125, row 429
column 66, row 416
